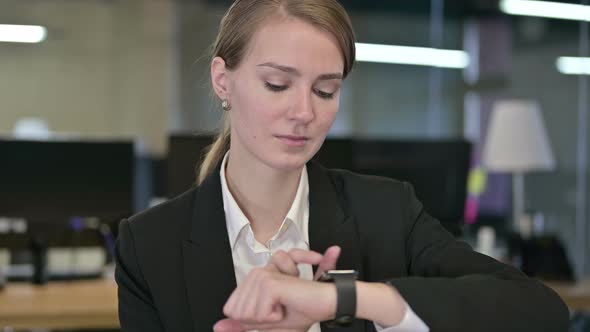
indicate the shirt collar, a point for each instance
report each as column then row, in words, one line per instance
column 236, row 220
column 299, row 212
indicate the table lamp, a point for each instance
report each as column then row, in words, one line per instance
column 517, row 143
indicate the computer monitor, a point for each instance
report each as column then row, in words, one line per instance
column 185, row 154
column 437, row 169
column 53, row 181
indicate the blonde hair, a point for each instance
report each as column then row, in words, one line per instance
column 237, row 28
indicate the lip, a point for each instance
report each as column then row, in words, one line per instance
column 292, row 140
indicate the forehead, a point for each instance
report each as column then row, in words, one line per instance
column 293, row 42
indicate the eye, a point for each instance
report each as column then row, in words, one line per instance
column 275, row 88
column 323, row 94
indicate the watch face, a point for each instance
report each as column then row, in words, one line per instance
column 342, row 272
column 331, row 274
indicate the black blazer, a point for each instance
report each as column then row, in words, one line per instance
column 175, row 269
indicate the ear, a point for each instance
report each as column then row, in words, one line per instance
column 219, row 78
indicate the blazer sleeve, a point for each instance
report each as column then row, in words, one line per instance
column 137, row 311
column 453, row 288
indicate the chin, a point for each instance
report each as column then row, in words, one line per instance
column 288, row 162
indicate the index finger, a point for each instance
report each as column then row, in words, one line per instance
column 228, row 325
column 328, row 262
column 301, row 256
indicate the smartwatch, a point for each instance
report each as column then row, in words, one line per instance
column 344, row 280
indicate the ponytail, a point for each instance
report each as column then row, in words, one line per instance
column 216, row 151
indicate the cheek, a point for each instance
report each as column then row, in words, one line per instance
column 253, row 114
column 326, row 115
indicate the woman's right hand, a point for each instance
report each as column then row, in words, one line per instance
column 286, row 262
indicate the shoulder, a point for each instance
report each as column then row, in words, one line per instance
column 354, row 185
column 168, row 219
column 374, row 197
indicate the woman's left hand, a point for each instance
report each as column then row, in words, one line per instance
column 273, row 297
column 269, row 300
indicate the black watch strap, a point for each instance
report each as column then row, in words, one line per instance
column 345, row 297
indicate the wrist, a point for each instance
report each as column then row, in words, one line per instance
column 380, row 303
column 330, row 300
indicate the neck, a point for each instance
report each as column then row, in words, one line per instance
column 264, row 194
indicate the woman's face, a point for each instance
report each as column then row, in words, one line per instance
column 285, row 93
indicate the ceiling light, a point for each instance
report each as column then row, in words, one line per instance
column 22, row 33
column 573, row 65
column 565, row 11
column 407, row 55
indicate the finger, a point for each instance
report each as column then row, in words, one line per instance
column 271, row 268
column 270, row 317
column 232, row 305
column 246, row 304
column 228, row 325
column 260, row 303
column 328, row 262
column 281, row 326
column 284, row 263
column 301, row 256
column 273, row 327
column 269, row 309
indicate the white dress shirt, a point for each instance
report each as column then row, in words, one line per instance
column 248, row 253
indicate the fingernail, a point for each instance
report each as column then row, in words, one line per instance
column 217, row 328
column 333, row 248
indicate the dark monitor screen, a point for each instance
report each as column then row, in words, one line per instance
column 437, row 169
column 185, row 154
column 56, row 180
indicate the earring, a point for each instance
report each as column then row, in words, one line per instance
column 225, row 105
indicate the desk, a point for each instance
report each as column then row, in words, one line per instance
column 576, row 296
column 60, row 305
column 93, row 304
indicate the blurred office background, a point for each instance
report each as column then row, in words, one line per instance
column 128, row 80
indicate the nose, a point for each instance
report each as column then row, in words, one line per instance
column 302, row 109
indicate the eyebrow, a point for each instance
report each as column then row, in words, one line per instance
column 291, row 70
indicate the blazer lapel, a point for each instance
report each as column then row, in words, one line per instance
column 328, row 222
column 208, row 265
column 330, row 225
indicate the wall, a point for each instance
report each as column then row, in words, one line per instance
column 105, row 70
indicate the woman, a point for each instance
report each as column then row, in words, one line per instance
column 234, row 252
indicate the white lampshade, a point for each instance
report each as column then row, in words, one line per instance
column 516, row 139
